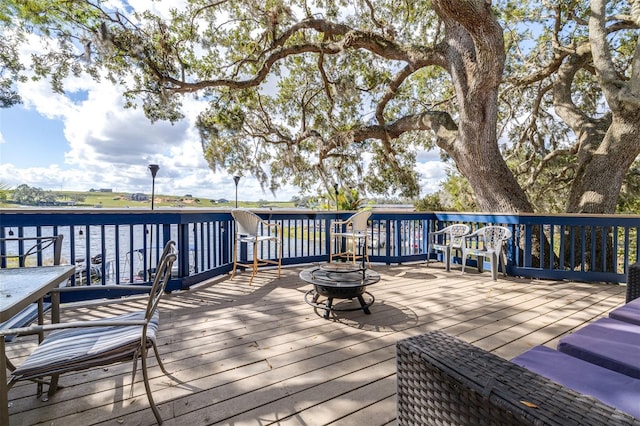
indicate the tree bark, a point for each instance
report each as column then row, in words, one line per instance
column 604, row 163
column 474, row 51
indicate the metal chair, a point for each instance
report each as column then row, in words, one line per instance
column 38, row 247
column 79, row 346
column 485, row 242
column 447, row 240
column 352, row 230
column 251, row 229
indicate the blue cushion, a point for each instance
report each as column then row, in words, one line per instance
column 627, row 313
column 606, row 342
column 610, row 387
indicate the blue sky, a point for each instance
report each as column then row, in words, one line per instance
column 86, row 140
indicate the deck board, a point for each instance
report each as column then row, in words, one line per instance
column 258, row 355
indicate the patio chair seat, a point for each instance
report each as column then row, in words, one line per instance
column 251, row 229
column 608, row 343
column 487, row 242
column 355, row 234
column 81, row 348
column 77, row 346
column 610, row 387
column 447, row 240
column 628, row 313
column 23, row 318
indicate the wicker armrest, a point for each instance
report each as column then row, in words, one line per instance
column 443, row 380
column 633, row 282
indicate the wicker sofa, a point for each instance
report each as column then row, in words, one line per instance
column 445, row 381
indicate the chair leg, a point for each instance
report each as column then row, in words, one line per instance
column 447, row 253
column 147, row 387
column 157, row 354
column 279, row 256
column 53, row 385
column 354, row 248
column 332, row 246
column 235, row 258
column 464, row 260
column 503, row 257
column 480, row 263
column 366, row 251
column 494, row 266
column 255, row 261
column 133, row 372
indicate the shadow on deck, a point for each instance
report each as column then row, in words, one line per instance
column 260, row 355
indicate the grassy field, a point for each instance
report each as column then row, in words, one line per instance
column 122, row 200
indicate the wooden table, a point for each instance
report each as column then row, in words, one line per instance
column 18, row 288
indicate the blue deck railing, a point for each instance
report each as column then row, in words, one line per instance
column 122, row 246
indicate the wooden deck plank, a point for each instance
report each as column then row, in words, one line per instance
column 257, row 354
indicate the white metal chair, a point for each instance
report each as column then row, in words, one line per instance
column 447, row 240
column 77, row 346
column 251, row 229
column 487, row 241
column 353, row 230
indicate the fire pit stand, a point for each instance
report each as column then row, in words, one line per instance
column 339, row 281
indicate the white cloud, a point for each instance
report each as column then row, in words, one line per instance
column 432, row 171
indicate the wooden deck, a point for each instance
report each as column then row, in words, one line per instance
column 258, row 355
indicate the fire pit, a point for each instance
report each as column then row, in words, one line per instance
column 339, row 281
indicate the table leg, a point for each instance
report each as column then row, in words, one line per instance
column 40, row 336
column 4, row 392
column 55, row 318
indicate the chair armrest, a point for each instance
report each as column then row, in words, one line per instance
column 277, row 225
column 433, row 235
column 36, row 329
column 633, row 282
column 469, row 237
column 474, row 234
column 129, row 287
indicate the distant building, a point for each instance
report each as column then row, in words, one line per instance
column 105, row 190
column 139, row 197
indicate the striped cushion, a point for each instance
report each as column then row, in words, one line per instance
column 24, row 318
column 81, row 348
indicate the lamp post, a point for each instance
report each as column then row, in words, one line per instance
column 335, row 189
column 236, row 179
column 153, row 168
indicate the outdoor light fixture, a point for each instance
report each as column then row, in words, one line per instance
column 335, row 189
column 10, row 232
column 236, row 179
column 153, row 168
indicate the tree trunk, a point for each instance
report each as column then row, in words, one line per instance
column 474, row 50
column 601, row 173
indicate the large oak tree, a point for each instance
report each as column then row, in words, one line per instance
column 309, row 91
